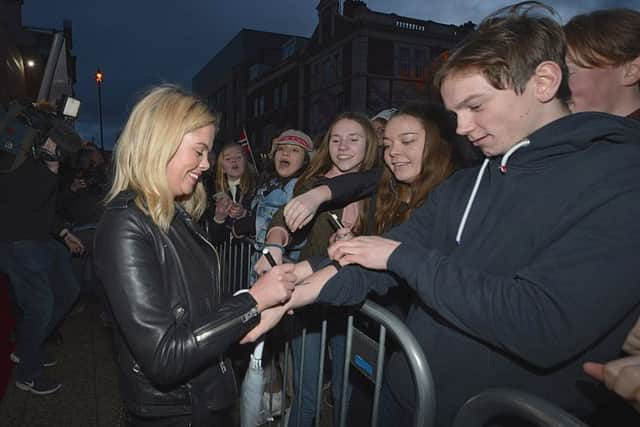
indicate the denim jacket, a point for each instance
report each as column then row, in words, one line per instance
column 265, row 207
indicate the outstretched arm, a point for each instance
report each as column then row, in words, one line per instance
column 305, row 293
column 340, row 191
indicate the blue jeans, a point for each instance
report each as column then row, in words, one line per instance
column 311, row 369
column 45, row 288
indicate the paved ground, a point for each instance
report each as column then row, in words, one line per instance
column 89, row 395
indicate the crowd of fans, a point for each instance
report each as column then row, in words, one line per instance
column 512, row 262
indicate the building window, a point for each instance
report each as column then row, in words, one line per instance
column 411, row 62
column 420, row 59
column 284, row 94
column 403, row 61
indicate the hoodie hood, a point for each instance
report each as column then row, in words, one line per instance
column 555, row 141
column 572, row 133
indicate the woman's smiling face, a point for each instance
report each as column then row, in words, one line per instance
column 347, row 145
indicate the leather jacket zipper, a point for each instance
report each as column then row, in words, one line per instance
column 202, row 336
column 215, row 251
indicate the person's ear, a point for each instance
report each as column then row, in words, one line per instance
column 631, row 72
column 547, row 79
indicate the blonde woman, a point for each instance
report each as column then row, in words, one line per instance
column 160, row 273
column 234, row 186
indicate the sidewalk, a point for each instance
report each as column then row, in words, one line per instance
column 89, row 395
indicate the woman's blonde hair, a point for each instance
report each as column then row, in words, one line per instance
column 151, row 137
column 248, row 178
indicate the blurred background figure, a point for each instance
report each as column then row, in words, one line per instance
column 603, row 56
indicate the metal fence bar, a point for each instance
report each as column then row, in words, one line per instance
column 345, row 373
column 284, row 376
column 425, row 409
column 490, row 403
column 235, row 264
column 382, row 341
column 323, row 346
column 301, row 378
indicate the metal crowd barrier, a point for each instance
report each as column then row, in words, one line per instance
column 368, row 356
column 235, row 265
column 371, row 362
column 478, row 410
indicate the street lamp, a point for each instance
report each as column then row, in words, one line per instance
column 99, row 76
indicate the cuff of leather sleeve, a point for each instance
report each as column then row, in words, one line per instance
column 235, row 317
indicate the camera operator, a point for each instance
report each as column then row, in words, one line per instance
column 37, row 264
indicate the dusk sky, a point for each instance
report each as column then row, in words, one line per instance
column 141, row 43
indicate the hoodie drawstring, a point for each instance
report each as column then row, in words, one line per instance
column 505, row 158
column 463, row 221
column 503, row 169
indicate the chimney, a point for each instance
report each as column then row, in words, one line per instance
column 327, row 11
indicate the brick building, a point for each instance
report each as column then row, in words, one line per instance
column 355, row 60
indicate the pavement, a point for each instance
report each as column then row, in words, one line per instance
column 89, row 396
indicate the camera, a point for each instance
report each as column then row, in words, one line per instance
column 25, row 127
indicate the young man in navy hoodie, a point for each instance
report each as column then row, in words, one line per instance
column 527, row 265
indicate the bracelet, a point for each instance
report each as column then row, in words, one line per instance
column 273, row 245
column 336, row 264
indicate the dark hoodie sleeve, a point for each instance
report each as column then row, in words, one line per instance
column 352, row 186
column 544, row 312
column 352, row 284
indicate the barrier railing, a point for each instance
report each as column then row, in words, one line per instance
column 478, row 410
column 235, row 265
column 235, row 256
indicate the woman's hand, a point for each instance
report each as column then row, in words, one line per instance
column 268, row 320
column 621, row 376
column 343, row 233
column 73, row 243
column 78, row 184
column 262, row 265
column 632, row 342
column 301, row 209
column 368, row 251
column 236, row 210
column 274, row 287
column 223, row 206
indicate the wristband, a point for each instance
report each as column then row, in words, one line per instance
column 64, row 233
column 273, row 245
column 336, row 264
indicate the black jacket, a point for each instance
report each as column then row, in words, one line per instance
column 28, row 203
column 172, row 323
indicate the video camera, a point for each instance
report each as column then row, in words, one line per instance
column 25, row 127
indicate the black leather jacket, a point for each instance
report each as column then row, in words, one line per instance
column 172, row 323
